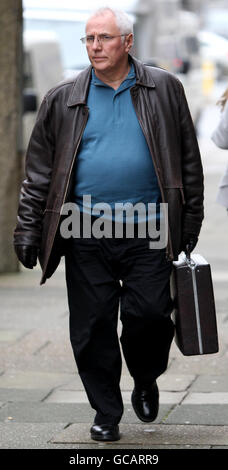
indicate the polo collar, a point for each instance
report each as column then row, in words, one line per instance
column 96, row 81
column 81, row 84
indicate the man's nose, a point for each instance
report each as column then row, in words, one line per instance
column 96, row 43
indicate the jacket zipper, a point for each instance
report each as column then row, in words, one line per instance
column 68, row 180
column 169, row 253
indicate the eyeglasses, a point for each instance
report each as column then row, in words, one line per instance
column 102, row 38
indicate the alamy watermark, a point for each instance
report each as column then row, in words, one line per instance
column 150, row 221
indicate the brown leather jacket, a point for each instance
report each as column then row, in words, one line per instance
column 160, row 104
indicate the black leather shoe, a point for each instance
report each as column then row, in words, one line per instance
column 145, row 401
column 105, row 432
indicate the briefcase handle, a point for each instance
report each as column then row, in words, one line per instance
column 189, row 260
column 188, row 253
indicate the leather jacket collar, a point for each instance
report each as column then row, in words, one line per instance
column 80, row 86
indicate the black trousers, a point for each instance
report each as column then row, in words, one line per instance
column 94, row 268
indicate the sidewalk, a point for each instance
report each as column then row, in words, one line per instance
column 42, row 401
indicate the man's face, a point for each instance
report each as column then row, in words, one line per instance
column 109, row 55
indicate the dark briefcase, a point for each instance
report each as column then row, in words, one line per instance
column 194, row 313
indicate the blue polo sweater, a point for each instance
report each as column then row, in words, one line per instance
column 114, row 164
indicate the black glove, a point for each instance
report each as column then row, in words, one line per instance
column 189, row 241
column 27, row 254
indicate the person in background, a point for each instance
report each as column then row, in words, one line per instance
column 220, row 138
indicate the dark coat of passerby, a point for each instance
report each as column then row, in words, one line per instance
column 120, row 132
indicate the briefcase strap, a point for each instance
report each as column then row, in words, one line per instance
column 192, row 265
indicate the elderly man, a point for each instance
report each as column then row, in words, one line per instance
column 120, row 132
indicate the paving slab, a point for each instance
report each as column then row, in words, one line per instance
column 198, row 414
column 64, row 412
column 46, row 413
column 175, row 382
column 219, row 447
column 27, row 435
column 32, row 380
column 56, row 356
column 140, row 434
column 219, row 398
column 74, row 384
column 18, row 394
column 221, row 300
column 129, row 446
column 126, row 382
column 166, row 382
column 208, row 364
column 69, row 396
column 28, row 278
column 41, row 435
column 12, row 335
column 210, row 383
column 174, row 352
column 41, row 350
column 38, row 307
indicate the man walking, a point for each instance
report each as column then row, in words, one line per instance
column 120, row 132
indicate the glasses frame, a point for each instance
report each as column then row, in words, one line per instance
column 84, row 39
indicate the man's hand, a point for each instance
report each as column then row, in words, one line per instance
column 189, row 241
column 27, row 254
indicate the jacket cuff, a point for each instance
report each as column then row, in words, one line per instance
column 190, row 225
column 27, row 238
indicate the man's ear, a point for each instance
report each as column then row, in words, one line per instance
column 129, row 40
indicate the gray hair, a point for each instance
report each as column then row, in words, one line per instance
column 123, row 21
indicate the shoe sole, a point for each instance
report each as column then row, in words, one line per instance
column 145, row 420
